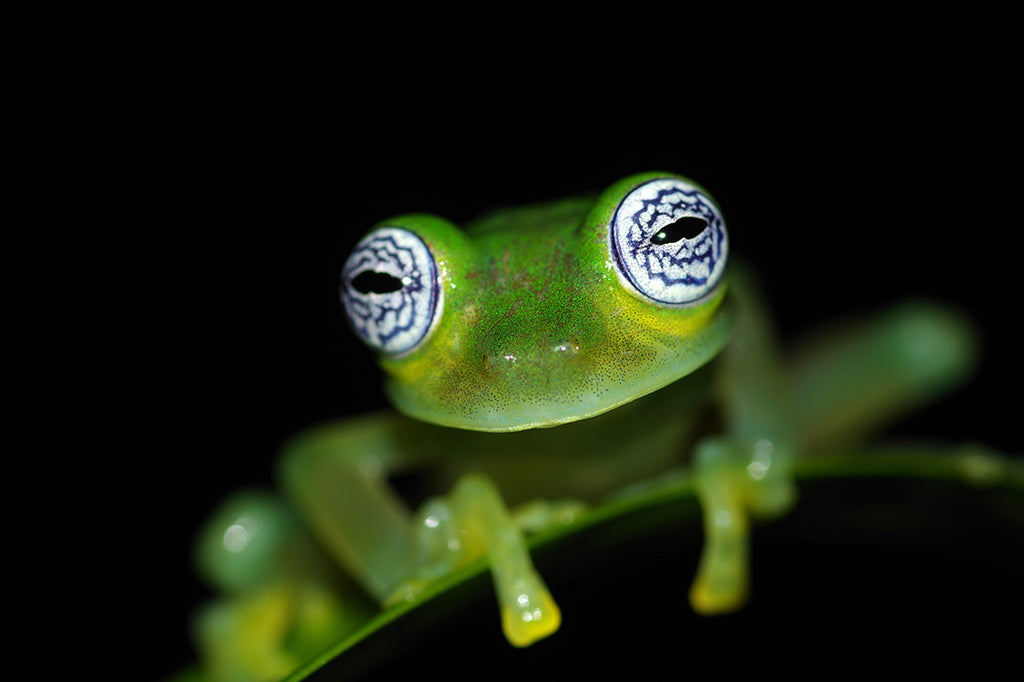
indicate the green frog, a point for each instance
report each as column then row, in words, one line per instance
column 540, row 360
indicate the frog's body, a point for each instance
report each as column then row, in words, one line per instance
column 573, row 315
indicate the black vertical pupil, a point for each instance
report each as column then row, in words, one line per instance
column 373, row 282
column 686, row 227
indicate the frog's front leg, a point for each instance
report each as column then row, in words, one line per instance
column 472, row 522
column 840, row 389
column 338, row 476
column 747, row 470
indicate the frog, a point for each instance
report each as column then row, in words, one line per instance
column 540, row 360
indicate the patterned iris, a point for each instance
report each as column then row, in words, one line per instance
column 668, row 241
column 390, row 290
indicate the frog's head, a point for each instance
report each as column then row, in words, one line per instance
column 546, row 314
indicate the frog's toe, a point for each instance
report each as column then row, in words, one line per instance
column 722, row 581
column 528, row 612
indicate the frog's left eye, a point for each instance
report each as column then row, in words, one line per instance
column 668, row 242
column 390, row 289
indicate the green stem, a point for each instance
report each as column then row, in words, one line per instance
column 971, row 465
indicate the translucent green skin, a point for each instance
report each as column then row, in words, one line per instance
column 537, row 331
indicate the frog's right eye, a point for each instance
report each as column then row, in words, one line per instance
column 390, row 289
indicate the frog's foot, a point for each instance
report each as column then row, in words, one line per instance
column 473, row 522
column 733, row 480
column 242, row 638
column 265, row 633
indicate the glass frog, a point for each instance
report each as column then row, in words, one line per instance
column 552, row 355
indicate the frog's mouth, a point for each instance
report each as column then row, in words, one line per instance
column 506, row 393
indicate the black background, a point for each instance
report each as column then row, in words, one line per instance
column 201, row 172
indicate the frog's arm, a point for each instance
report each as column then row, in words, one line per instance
column 748, row 468
column 843, row 387
column 338, row 476
column 474, row 522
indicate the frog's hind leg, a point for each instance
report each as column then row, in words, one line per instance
column 854, row 378
column 473, row 522
column 282, row 601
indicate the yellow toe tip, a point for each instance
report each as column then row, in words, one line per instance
column 527, row 625
column 711, row 602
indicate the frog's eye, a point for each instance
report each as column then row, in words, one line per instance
column 390, row 289
column 668, row 242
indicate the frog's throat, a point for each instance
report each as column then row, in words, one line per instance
column 592, row 394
